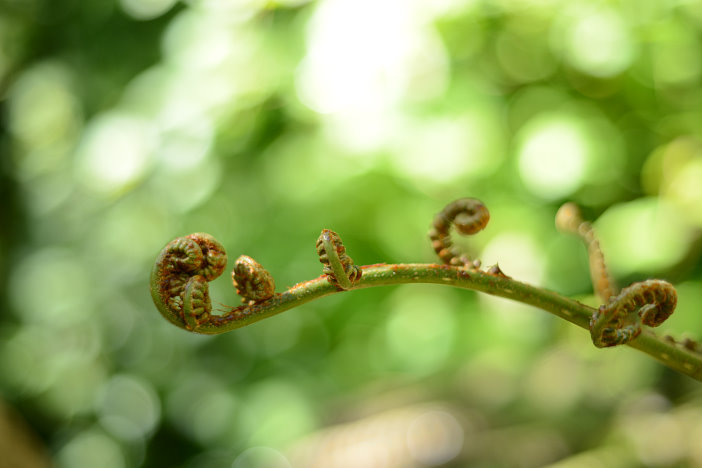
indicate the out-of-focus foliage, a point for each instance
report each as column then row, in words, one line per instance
column 127, row 123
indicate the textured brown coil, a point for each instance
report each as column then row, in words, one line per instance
column 469, row 216
column 251, row 280
column 338, row 266
column 620, row 320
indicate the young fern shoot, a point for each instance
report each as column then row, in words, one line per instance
column 180, row 276
column 621, row 318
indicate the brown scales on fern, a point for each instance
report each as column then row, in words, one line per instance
column 252, row 282
column 469, row 216
column 620, row 319
column 180, row 276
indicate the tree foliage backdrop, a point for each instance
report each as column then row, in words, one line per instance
column 127, row 123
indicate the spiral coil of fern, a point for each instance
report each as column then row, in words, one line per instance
column 619, row 321
column 338, row 266
column 180, row 275
column 469, row 216
column 252, row 282
column 569, row 219
column 621, row 318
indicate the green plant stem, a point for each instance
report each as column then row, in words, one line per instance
column 673, row 356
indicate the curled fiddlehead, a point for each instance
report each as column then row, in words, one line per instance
column 646, row 303
column 180, row 275
column 252, row 282
column 338, row 266
column 569, row 219
column 621, row 318
column 469, row 216
column 185, row 266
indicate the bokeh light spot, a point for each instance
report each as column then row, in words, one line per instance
column 445, row 150
column 184, row 145
column 128, row 407
column 275, row 413
column 658, row 438
column 115, row 152
column 201, row 407
column 676, row 53
column 146, row 9
column 524, row 57
column 344, row 70
column 64, row 368
column 261, row 457
column 91, row 448
column 420, row 331
column 553, row 156
column 643, row 235
column 45, row 116
column 200, row 180
column 198, row 40
column 50, row 285
column 674, row 171
column 597, row 42
column 434, row 438
column 554, row 385
column 520, row 257
column 518, row 254
column 77, row 378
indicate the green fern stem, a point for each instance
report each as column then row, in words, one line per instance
column 672, row 355
column 179, row 286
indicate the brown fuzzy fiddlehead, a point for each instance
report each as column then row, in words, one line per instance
column 180, row 275
column 646, row 303
column 569, row 219
column 252, row 282
column 338, row 266
column 621, row 318
column 469, row 216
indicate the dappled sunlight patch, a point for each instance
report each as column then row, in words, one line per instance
column 594, row 39
column 91, row 448
column 419, row 332
column 115, row 152
column 559, row 152
column 644, row 235
column 552, row 157
column 441, row 151
column 397, row 56
column 275, row 412
column 202, row 407
column 128, row 407
column 674, row 171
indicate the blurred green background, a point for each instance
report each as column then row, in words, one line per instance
column 126, row 123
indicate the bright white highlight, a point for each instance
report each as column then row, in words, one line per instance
column 597, row 42
column 196, row 40
column 184, row 145
column 115, row 152
column 518, row 255
column 444, row 150
column 552, row 157
column 367, row 54
column 644, row 235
